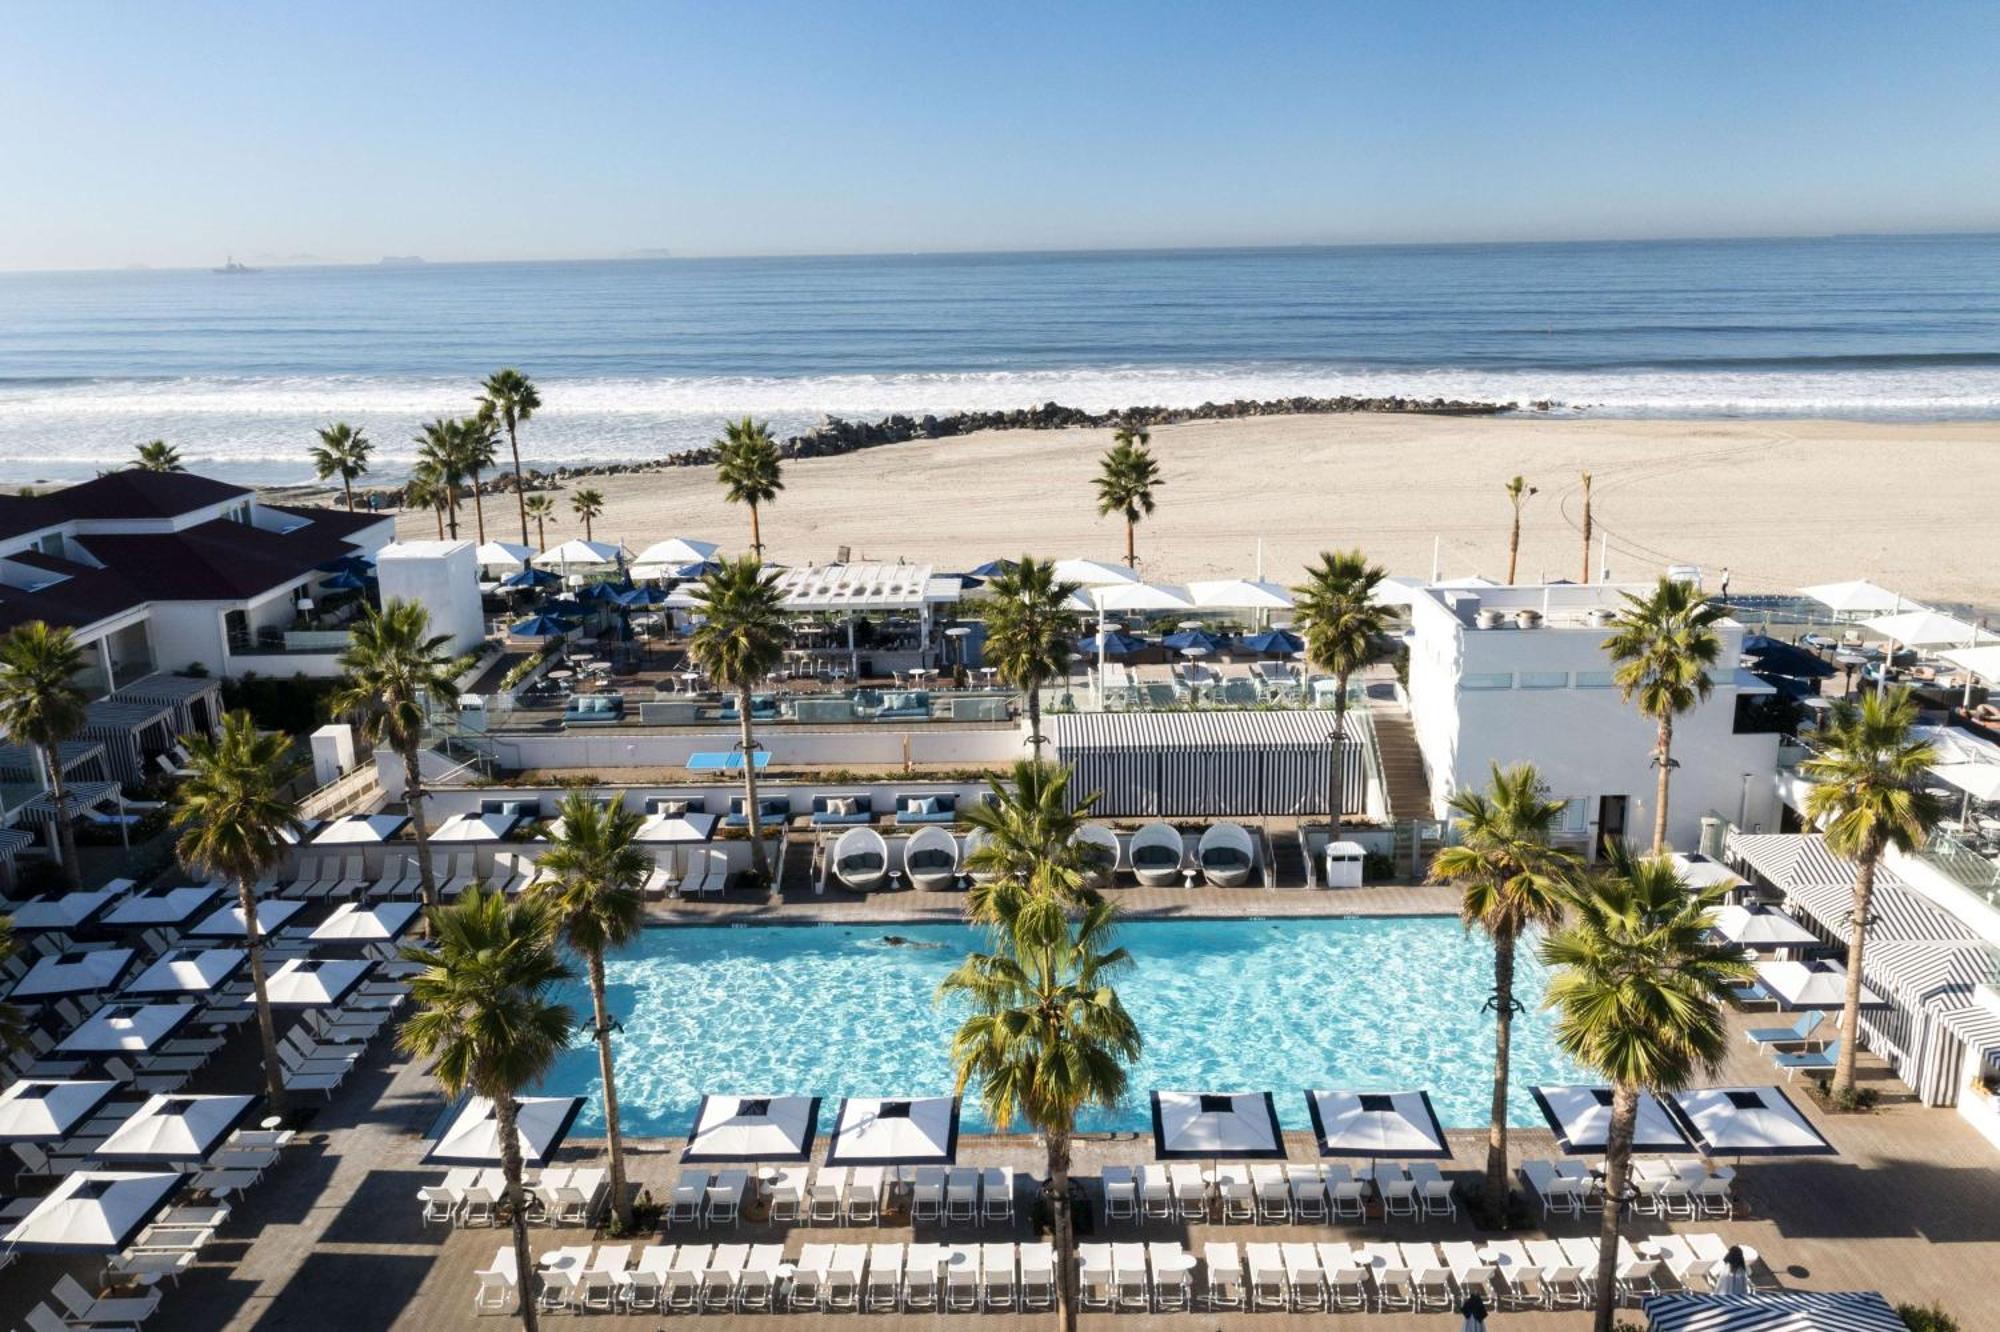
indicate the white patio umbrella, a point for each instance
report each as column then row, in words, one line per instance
column 127, row 1028
column 1746, row 1121
column 1762, row 927
column 472, row 1137
column 188, row 971
column 663, row 557
column 1818, row 984
column 1240, row 594
column 693, row 826
column 1361, row 1123
column 1093, row 573
column 1580, row 1117
column 1981, row 781
column 581, row 554
column 753, row 1128
column 1698, row 871
column 74, row 973
column 315, row 982
column 1141, row 597
column 1189, row 1125
column 1923, row 628
column 353, row 923
column 360, row 830
column 880, row 1130
column 67, row 911
column 177, row 1128
column 1858, row 597
column 509, row 555
column 160, row 906
column 227, row 922
column 487, row 826
column 44, row 1109
column 94, row 1211
column 1983, row 662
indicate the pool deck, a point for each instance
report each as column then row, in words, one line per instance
column 332, row 1236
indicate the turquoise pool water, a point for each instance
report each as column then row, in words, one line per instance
column 1278, row 1005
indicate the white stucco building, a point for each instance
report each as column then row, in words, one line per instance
column 1519, row 674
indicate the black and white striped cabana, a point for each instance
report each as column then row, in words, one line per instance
column 1923, row 981
column 196, row 700
column 1219, row 764
column 1820, row 884
column 129, row 731
column 1773, row 1311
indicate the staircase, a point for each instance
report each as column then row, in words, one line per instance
column 1403, row 781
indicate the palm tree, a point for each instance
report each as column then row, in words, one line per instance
column 41, row 705
column 13, row 1022
column 1665, row 643
column 476, row 444
column 426, row 490
column 749, row 470
column 482, row 1010
column 1586, row 526
column 1030, row 631
column 590, row 881
column 158, row 456
column 543, row 510
column 342, row 451
column 1638, row 992
column 1518, row 491
column 1868, row 793
column 740, row 643
column 1028, row 828
column 514, row 399
column 1335, row 611
column 587, row 504
column 441, row 451
column 394, row 669
column 234, row 820
column 1513, row 880
column 1127, row 476
column 1047, row 1036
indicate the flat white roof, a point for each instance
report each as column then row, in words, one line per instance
column 420, row 550
column 865, row 587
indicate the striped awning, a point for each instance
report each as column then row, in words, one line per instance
column 1178, row 764
column 1797, row 860
column 13, row 841
column 73, row 753
column 1895, row 913
column 1977, row 1028
column 1773, row 1311
column 79, row 796
column 120, row 726
column 1922, row 970
column 179, row 692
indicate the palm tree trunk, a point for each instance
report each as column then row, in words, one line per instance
column 478, row 507
column 757, row 862
column 1131, row 555
column 1336, row 792
column 1503, row 1050
column 439, row 512
column 756, row 532
column 1063, row 1224
column 541, row 535
column 347, row 484
column 620, row 1202
column 506, row 1111
column 65, row 822
column 1035, row 718
column 1850, row 1004
column 1664, row 755
column 413, row 801
column 267, row 1030
column 451, row 510
column 1617, row 1167
column 520, row 491
column 1514, row 548
column 1586, row 529
column 588, row 535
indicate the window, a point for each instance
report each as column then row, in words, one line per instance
column 1486, row 680
column 1544, row 679
column 1595, row 680
column 1571, row 819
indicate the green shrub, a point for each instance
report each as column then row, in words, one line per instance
column 296, row 706
column 1926, row 1318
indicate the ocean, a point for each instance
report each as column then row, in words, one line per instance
column 639, row 358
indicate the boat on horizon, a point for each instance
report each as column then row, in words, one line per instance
column 231, row 266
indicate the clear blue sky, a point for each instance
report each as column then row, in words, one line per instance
column 175, row 133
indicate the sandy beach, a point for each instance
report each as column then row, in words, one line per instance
column 1779, row 503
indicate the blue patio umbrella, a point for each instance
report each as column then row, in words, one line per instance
column 1281, row 641
column 1117, row 643
column 358, row 565
column 530, row 578
column 640, row 598
column 540, row 626
column 699, row 569
column 564, row 606
column 1194, row 638
column 604, row 591
column 993, row 567
column 344, row 582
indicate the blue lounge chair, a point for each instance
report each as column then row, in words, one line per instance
column 1813, row 1061
column 1796, row 1034
column 1753, row 993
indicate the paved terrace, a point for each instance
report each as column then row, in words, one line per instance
column 332, row 1237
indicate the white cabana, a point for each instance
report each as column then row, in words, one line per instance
column 473, row 1135
column 1093, row 573
column 67, row 911
column 315, row 982
column 873, row 1130
column 1240, row 1125
column 1746, row 1121
column 1817, row 984
column 578, row 555
column 354, row 923
column 1360, row 1123
column 360, row 830
column 1859, row 597
column 674, row 829
column 1762, row 927
column 44, row 1109
column 227, row 922
column 1580, row 1117
column 1141, row 597
column 188, row 971
column 94, row 1211
column 487, row 826
column 753, row 1128
column 127, row 1028
column 160, row 906
column 508, row 555
column 176, row 1129
column 1923, row 628
column 1240, row 594
column 73, row 973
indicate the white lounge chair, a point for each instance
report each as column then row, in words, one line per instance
column 1227, row 855
column 996, row 1276
column 883, row 1292
column 930, row 858
column 1225, row 1276
column 860, row 859
column 1038, row 1276
column 1156, row 853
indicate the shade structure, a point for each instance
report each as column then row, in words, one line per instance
column 160, row 906
column 1112, row 643
column 639, row 598
column 315, row 982
column 342, row 582
column 529, row 580
column 1983, row 662
column 1746, row 1121
column 1923, row 628
column 44, row 1109
column 1817, row 984
column 888, row 1130
column 509, row 555
column 1141, row 597
column 1773, row 1311
column 1580, row 1117
column 603, row 594
column 994, row 568
column 94, row 1211
column 360, row 829
column 540, row 626
column 753, row 1128
column 726, row 760
column 671, row 553
column 672, row 829
column 1199, row 642
column 1782, row 658
column 1981, row 781
column 74, row 973
column 1365, row 1123
column 176, row 1128
column 1859, row 597
column 1762, row 927
column 188, row 971
column 1274, row 642
column 127, row 1028
column 483, row 827
column 1093, row 573
column 68, row 910
column 580, row 554
column 472, row 1135
column 1189, row 1125
column 227, row 922
column 354, row 923
column 1699, row 871
column 1241, row 594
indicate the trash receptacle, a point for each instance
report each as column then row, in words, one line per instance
column 1343, row 864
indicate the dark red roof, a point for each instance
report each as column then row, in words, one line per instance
column 334, row 520
column 21, row 514
column 218, row 561
column 136, row 493
column 82, row 597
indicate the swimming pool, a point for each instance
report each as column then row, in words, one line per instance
column 1224, row 1005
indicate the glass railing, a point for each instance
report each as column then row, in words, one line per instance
column 1965, row 865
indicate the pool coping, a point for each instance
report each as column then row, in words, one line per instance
column 1143, row 916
